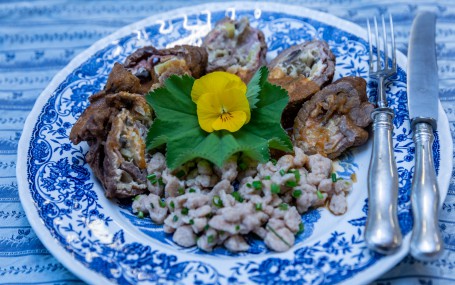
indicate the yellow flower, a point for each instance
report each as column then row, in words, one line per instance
column 221, row 102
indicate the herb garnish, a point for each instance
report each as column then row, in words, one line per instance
column 178, row 127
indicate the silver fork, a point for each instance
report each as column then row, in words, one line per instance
column 382, row 233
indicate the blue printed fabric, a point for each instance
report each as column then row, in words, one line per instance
column 38, row 38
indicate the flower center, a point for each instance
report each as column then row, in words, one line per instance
column 225, row 116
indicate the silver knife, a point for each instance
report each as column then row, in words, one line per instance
column 426, row 243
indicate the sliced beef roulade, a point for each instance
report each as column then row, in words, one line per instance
column 302, row 70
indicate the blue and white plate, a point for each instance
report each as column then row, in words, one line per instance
column 102, row 242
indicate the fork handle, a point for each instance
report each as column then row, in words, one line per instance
column 382, row 233
column 426, row 243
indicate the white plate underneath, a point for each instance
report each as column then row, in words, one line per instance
column 101, row 241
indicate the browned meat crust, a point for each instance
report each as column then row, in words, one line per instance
column 235, row 47
column 120, row 79
column 115, row 126
column 334, row 118
column 153, row 66
column 116, row 109
column 302, row 70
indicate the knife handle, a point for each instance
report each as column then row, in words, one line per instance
column 426, row 243
column 382, row 233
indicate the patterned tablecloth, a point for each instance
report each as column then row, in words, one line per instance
column 38, row 38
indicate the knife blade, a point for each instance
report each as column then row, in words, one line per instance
column 423, row 70
column 422, row 82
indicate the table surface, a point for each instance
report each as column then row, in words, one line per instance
column 38, row 38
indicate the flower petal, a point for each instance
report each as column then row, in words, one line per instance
column 208, row 110
column 231, row 121
column 214, row 82
column 234, row 99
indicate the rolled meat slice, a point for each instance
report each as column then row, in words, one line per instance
column 302, row 70
column 153, row 66
column 334, row 118
column 115, row 126
column 236, row 47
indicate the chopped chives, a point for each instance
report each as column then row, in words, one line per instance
column 140, row 215
column 217, row 201
column 248, row 185
column 210, row 239
column 162, row 203
column 267, row 177
column 151, row 177
column 319, row 194
column 172, row 204
column 175, row 218
column 334, row 177
column 192, row 190
column 181, row 191
column 284, row 207
column 152, row 206
column 206, row 227
column 273, row 161
column 184, row 211
column 160, row 182
column 280, row 237
column 275, row 189
column 237, row 196
column 258, row 206
column 291, row 183
column 191, row 222
column 297, row 175
column 296, row 193
column 301, row 228
column 282, row 172
column 136, row 198
column 257, row 185
column 237, row 227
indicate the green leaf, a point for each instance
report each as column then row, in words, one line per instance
column 272, row 100
column 254, row 86
column 267, row 117
column 173, row 101
column 162, row 131
column 216, row 147
column 274, row 134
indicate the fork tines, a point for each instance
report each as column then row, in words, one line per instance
column 384, row 69
column 381, row 43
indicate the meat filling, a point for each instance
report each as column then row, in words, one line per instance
column 115, row 126
column 235, row 47
column 302, row 70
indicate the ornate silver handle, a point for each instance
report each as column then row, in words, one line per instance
column 382, row 233
column 426, row 243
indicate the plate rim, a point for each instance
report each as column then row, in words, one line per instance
column 90, row 276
